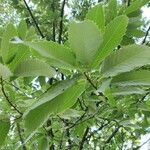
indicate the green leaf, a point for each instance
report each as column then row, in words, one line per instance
column 34, row 67
column 140, row 77
column 127, row 91
column 126, row 59
column 58, row 53
column 112, row 37
column 135, row 6
column 111, row 11
column 37, row 116
column 96, row 14
column 4, row 129
column 85, row 39
column 4, row 72
column 7, row 48
column 22, row 29
column 43, row 143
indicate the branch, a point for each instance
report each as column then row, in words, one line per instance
column 21, row 138
column 7, row 98
column 61, row 22
column 83, row 139
column 33, row 18
column 146, row 35
column 112, row 135
column 54, row 29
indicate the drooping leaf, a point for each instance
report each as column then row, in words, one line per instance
column 85, row 39
column 137, row 4
column 96, row 14
column 37, row 116
column 58, row 53
column 126, row 59
column 112, row 37
column 4, row 129
column 140, row 77
column 4, row 71
column 34, row 67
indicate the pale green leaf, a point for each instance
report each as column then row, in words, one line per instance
column 57, row 52
column 140, row 77
column 112, row 37
column 4, row 129
column 85, row 40
column 137, row 4
column 126, row 59
column 34, row 67
column 22, row 29
column 111, row 11
column 96, row 14
column 4, row 71
column 37, row 116
column 7, row 48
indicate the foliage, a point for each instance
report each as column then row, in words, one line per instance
column 85, row 85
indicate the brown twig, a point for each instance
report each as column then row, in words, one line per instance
column 61, row 22
column 7, row 98
column 33, row 18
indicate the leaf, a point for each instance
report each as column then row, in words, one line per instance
column 140, row 77
column 85, row 39
column 4, row 129
column 34, row 67
column 112, row 37
column 127, row 91
column 22, row 29
column 58, row 53
column 111, row 11
column 7, row 49
column 135, row 6
column 126, row 59
column 37, row 116
column 96, row 14
column 43, row 143
column 4, row 72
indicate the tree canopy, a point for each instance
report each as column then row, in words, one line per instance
column 74, row 75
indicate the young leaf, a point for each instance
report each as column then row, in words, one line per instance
column 58, row 53
column 112, row 37
column 85, row 39
column 33, row 67
column 140, row 77
column 126, row 59
column 4, row 129
column 96, row 14
column 37, row 116
column 4, row 72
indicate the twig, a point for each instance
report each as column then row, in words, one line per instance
column 21, row 138
column 128, row 2
column 83, row 139
column 7, row 98
column 33, row 18
column 61, row 21
column 68, row 135
column 112, row 135
column 146, row 35
column 141, row 145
